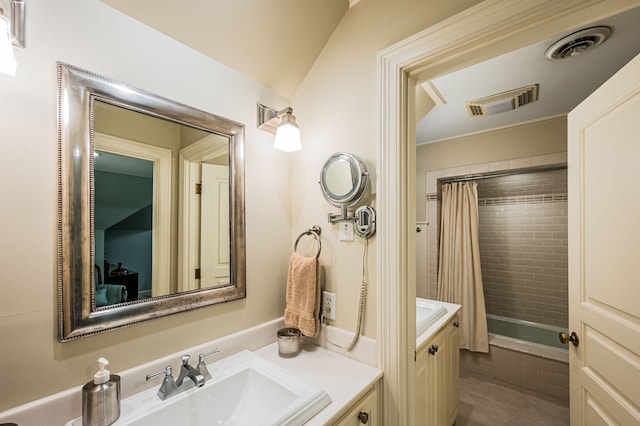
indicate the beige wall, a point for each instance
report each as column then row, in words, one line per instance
column 336, row 109
column 90, row 35
column 525, row 140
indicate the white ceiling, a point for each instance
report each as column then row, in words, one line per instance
column 274, row 42
column 563, row 83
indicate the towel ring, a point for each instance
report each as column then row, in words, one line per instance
column 315, row 232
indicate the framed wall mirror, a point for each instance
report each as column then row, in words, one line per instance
column 151, row 206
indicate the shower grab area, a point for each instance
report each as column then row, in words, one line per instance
column 523, row 252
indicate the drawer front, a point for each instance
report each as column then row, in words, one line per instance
column 364, row 412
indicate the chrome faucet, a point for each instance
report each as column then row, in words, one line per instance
column 172, row 387
column 196, row 376
column 187, row 371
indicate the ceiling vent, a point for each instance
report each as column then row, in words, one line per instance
column 502, row 102
column 576, row 43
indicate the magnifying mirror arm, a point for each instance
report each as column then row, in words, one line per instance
column 342, row 216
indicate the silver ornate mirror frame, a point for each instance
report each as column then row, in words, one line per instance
column 78, row 317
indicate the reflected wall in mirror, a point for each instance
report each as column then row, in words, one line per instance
column 151, row 206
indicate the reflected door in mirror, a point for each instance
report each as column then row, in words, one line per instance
column 136, row 230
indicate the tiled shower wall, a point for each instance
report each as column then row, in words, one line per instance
column 523, row 246
column 427, row 277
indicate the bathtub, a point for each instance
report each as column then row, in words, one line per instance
column 528, row 337
column 524, row 354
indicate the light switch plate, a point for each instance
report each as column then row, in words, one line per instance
column 347, row 232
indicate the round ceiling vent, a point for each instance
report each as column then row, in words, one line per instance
column 576, row 43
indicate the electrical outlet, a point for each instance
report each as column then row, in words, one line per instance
column 347, row 232
column 329, row 305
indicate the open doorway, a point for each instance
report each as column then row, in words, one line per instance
column 523, row 212
column 481, row 32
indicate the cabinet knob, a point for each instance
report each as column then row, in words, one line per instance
column 433, row 349
column 363, row 417
column 456, row 324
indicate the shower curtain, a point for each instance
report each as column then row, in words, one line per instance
column 459, row 274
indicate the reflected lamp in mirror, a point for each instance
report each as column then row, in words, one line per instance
column 11, row 33
column 283, row 125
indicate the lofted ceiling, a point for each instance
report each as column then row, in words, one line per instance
column 563, row 83
column 274, row 42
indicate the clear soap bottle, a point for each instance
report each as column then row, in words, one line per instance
column 101, row 398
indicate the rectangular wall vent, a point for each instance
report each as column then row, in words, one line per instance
column 503, row 102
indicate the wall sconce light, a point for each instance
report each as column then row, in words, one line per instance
column 11, row 34
column 283, row 125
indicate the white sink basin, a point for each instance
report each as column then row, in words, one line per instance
column 245, row 389
column 427, row 313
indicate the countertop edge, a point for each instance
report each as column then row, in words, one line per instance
column 346, row 380
column 452, row 310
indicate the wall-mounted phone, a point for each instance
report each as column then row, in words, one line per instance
column 365, row 218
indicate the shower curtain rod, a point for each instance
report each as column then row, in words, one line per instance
column 478, row 176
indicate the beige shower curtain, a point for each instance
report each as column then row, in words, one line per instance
column 459, row 274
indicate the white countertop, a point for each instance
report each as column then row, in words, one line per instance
column 344, row 379
column 452, row 309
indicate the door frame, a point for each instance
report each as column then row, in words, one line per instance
column 161, row 217
column 490, row 28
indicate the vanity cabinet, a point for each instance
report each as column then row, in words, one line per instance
column 363, row 412
column 437, row 377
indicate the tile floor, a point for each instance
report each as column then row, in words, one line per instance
column 489, row 402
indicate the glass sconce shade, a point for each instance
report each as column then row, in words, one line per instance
column 8, row 62
column 288, row 135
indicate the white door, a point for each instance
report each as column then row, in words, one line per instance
column 214, row 219
column 604, row 252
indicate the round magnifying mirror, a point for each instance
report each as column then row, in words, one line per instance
column 344, row 179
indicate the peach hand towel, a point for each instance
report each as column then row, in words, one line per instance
column 303, row 295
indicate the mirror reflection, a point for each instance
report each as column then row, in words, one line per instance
column 151, row 206
column 339, row 178
column 123, row 226
column 132, row 225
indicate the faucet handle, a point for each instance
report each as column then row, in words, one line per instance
column 167, row 371
column 168, row 386
column 202, row 366
column 185, row 359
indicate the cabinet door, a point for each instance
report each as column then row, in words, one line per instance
column 437, row 378
column 364, row 412
column 430, row 376
column 452, row 378
column 424, row 404
column 440, row 377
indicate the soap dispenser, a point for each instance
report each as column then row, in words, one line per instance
column 101, row 398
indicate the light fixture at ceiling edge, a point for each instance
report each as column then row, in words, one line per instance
column 11, row 34
column 283, row 124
